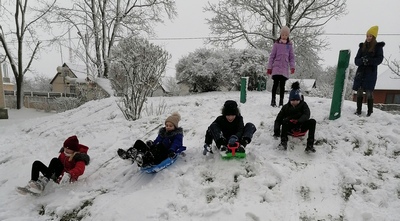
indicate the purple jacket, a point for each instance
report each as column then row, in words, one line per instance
column 281, row 59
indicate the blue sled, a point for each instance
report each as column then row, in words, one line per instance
column 164, row 164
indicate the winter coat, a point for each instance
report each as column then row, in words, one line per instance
column 230, row 128
column 76, row 163
column 281, row 59
column 366, row 75
column 171, row 140
column 301, row 113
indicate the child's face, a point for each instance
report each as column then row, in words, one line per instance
column 68, row 151
column 230, row 118
column 284, row 36
column 294, row 102
column 169, row 126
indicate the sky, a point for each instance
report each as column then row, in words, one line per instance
column 190, row 23
column 353, row 176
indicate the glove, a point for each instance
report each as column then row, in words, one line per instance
column 171, row 154
column 293, row 121
column 365, row 60
column 292, row 70
column 65, row 179
column 232, row 140
column 149, row 143
column 269, row 71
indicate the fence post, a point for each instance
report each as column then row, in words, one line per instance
column 243, row 89
column 339, row 86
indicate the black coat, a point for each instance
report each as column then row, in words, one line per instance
column 366, row 75
column 230, row 128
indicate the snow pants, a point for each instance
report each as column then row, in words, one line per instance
column 53, row 171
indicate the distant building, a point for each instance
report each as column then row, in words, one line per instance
column 74, row 80
column 7, row 84
column 387, row 88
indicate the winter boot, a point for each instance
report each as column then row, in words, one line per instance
column 240, row 149
column 283, row 144
column 37, row 186
column 131, row 153
column 139, row 159
column 310, row 146
column 122, row 154
column 359, row 105
column 223, row 148
column 280, row 102
column 370, row 103
column 273, row 103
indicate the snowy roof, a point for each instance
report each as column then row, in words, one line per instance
column 388, row 80
column 79, row 70
column 305, row 84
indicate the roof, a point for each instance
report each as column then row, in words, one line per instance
column 388, row 80
column 305, row 84
column 78, row 70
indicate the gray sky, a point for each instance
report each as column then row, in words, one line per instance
column 190, row 23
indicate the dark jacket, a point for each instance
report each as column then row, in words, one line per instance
column 75, row 164
column 230, row 128
column 301, row 113
column 366, row 75
column 172, row 140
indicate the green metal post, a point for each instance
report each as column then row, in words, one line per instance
column 243, row 89
column 339, row 86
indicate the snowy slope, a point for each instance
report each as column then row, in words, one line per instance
column 354, row 175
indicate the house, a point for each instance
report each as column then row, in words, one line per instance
column 387, row 88
column 73, row 80
column 306, row 85
column 8, row 86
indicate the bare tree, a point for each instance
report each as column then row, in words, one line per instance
column 99, row 24
column 394, row 65
column 257, row 23
column 23, row 34
column 138, row 66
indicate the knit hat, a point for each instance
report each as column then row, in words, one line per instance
column 174, row 119
column 285, row 30
column 230, row 108
column 72, row 143
column 295, row 93
column 373, row 31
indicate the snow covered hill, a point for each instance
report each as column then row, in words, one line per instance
column 354, row 175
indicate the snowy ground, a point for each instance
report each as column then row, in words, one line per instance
column 354, row 175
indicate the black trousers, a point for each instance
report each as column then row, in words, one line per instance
column 55, row 168
column 151, row 155
column 214, row 133
column 308, row 125
column 280, row 81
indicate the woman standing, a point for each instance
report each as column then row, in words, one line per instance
column 369, row 56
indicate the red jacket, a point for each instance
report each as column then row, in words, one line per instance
column 75, row 164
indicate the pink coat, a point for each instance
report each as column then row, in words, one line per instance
column 281, row 59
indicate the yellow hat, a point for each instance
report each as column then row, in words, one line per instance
column 373, row 31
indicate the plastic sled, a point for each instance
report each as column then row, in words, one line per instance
column 297, row 133
column 164, row 164
column 233, row 154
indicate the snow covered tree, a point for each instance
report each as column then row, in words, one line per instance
column 26, row 19
column 136, row 69
column 212, row 70
column 257, row 22
column 39, row 82
column 100, row 24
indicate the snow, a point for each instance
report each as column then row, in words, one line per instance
column 354, row 175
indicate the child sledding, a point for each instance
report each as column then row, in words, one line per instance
column 153, row 156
